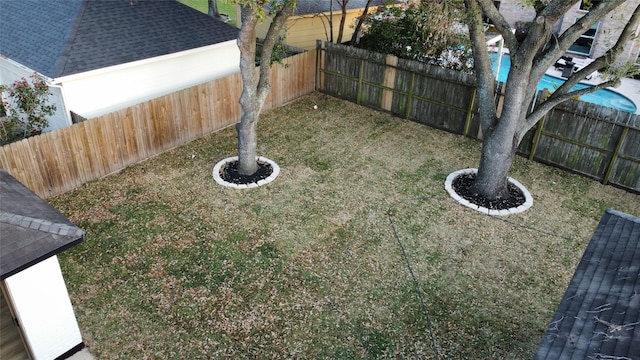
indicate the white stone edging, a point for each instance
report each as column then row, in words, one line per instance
column 216, row 173
column 464, row 202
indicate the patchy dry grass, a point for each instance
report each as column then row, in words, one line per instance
column 177, row 267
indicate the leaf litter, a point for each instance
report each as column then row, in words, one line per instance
column 175, row 266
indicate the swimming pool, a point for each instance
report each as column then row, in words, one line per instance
column 602, row 97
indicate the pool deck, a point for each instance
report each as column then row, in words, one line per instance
column 628, row 87
column 631, row 89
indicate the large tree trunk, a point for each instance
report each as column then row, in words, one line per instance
column 530, row 58
column 247, row 143
column 500, row 140
column 255, row 85
column 247, row 128
column 498, row 153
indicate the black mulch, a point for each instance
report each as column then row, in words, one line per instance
column 462, row 186
column 229, row 173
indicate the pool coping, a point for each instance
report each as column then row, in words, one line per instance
column 629, row 88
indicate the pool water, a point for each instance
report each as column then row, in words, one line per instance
column 602, row 97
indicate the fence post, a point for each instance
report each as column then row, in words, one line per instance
column 360, row 75
column 318, row 67
column 410, row 96
column 389, row 82
column 536, row 137
column 614, row 157
column 472, row 103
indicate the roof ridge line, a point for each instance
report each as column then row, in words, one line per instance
column 73, row 32
column 623, row 215
column 40, row 224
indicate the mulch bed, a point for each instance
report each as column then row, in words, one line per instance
column 462, row 186
column 229, row 173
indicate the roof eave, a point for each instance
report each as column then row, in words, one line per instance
column 108, row 69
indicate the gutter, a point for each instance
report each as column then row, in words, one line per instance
column 131, row 64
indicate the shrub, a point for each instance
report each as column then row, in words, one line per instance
column 24, row 109
column 427, row 32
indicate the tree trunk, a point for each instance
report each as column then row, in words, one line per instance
column 354, row 37
column 247, row 144
column 500, row 140
column 530, row 58
column 330, row 21
column 343, row 19
column 247, row 135
column 213, row 8
column 498, row 153
column 255, row 86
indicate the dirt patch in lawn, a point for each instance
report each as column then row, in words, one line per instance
column 309, row 266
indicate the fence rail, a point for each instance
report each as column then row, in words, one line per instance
column 61, row 160
column 595, row 141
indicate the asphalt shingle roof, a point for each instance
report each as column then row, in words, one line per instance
column 307, row 7
column 31, row 230
column 58, row 38
column 599, row 315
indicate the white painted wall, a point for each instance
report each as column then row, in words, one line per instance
column 11, row 71
column 98, row 92
column 42, row 306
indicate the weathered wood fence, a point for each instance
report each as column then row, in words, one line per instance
column 64, row 159
column 592, row 140
column 595, row 141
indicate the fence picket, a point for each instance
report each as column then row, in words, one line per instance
column 575, row 135
column 64, row 159
column 54, row 163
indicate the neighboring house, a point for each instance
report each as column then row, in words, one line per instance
column 311, row 21
column 595, row 41
column 101, row 56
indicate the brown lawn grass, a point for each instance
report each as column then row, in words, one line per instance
column 310, row 266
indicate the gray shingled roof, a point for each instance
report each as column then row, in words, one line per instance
column 599, row 315
column 31, row 230
column 58, row 38
column 306, row 7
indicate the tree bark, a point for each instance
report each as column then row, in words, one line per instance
column 354, row 37
column 247, row 141
column 247, row 144
column 530, row 58
column 255, row 85
column 498, row 152
column 343, row 19
column 213, row 8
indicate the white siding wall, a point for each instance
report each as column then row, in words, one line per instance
column 11, row 71
column 99, row 92
column 39, row 297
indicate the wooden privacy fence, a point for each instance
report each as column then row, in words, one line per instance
column 592, row 140
column 64, row 159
